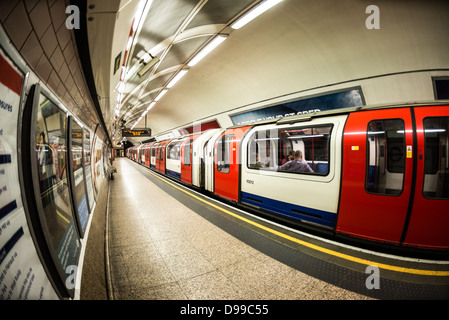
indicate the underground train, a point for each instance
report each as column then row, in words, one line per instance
column 373, row 174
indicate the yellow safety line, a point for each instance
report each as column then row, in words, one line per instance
column 309, row 245
column 62, row 217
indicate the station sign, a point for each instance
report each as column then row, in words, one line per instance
column 136, row 133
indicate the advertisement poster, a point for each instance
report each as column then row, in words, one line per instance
column 22, row 276
column 97, row 164
column 330, row 101
column 87, row 167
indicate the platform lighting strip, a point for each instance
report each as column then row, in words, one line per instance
column 245, row 19
column 254, row 13
column 142, row 10
column 206, row 50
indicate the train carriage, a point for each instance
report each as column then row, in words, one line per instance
column 268, row 183
column 227, row 163
column 389, row 191
column 147, row 153
column 375, row 173
column 161, row 156
column 199, row 151
column 173, row 158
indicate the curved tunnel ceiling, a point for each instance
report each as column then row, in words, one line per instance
column 294, row 46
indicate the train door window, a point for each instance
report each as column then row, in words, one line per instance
column 160, row 152
column 385, row 157
column 153, row 151
column 187, row 152
column 53, row 187
column 436, row 163
column 259, row 148
column 174, row 150
column 224, row 153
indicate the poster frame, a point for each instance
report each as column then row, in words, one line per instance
column 71, row 176
column 34, row 200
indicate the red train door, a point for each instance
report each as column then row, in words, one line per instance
column 377, row 174
column 227, row 163
column 148, row 154
column 186, row 159
column 429, row 220
column 160, row 156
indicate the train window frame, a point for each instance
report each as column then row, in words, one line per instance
column 278, row 150
column 442, row 149
column 172, row 147
column 79, row 200
column 188, row 147
column 224, row 154
column 392, row 192
column 33, row 196
column 153, row 150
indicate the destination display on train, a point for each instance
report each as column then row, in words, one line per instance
column 136, row 133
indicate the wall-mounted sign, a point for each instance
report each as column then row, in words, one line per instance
column 136, row 133
column 117, row 62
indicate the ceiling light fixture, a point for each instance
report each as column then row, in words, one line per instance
column 177, row 78
column 147, row 66
column 254, row 13
column 206, row 50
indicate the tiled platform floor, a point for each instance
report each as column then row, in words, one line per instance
column 160, row 249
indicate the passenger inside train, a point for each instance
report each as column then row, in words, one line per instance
column 297, row 164
column 283, row 150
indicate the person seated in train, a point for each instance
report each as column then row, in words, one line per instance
column 290, row 157
column 259, row 164
column 297, row 164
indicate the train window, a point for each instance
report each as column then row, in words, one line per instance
column 436, row 158
column 259, row 148
column 187, row 152
column 153, row 151
column 295, row 150
column 224, row 152
column 174, row 150
column 160, row 152
column 51, row 158
column 385, row 157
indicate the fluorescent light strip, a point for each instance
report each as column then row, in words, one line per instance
column 254, row 13
column 206, row 50
column 160, row 95
column 130, row 42
column 151, row 105
column 177, row 78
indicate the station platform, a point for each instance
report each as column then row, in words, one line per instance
column 168, row 242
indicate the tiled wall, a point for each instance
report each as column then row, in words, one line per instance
column 37, row 30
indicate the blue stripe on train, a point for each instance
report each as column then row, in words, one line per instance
column 173, row 174
column 291, row 210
